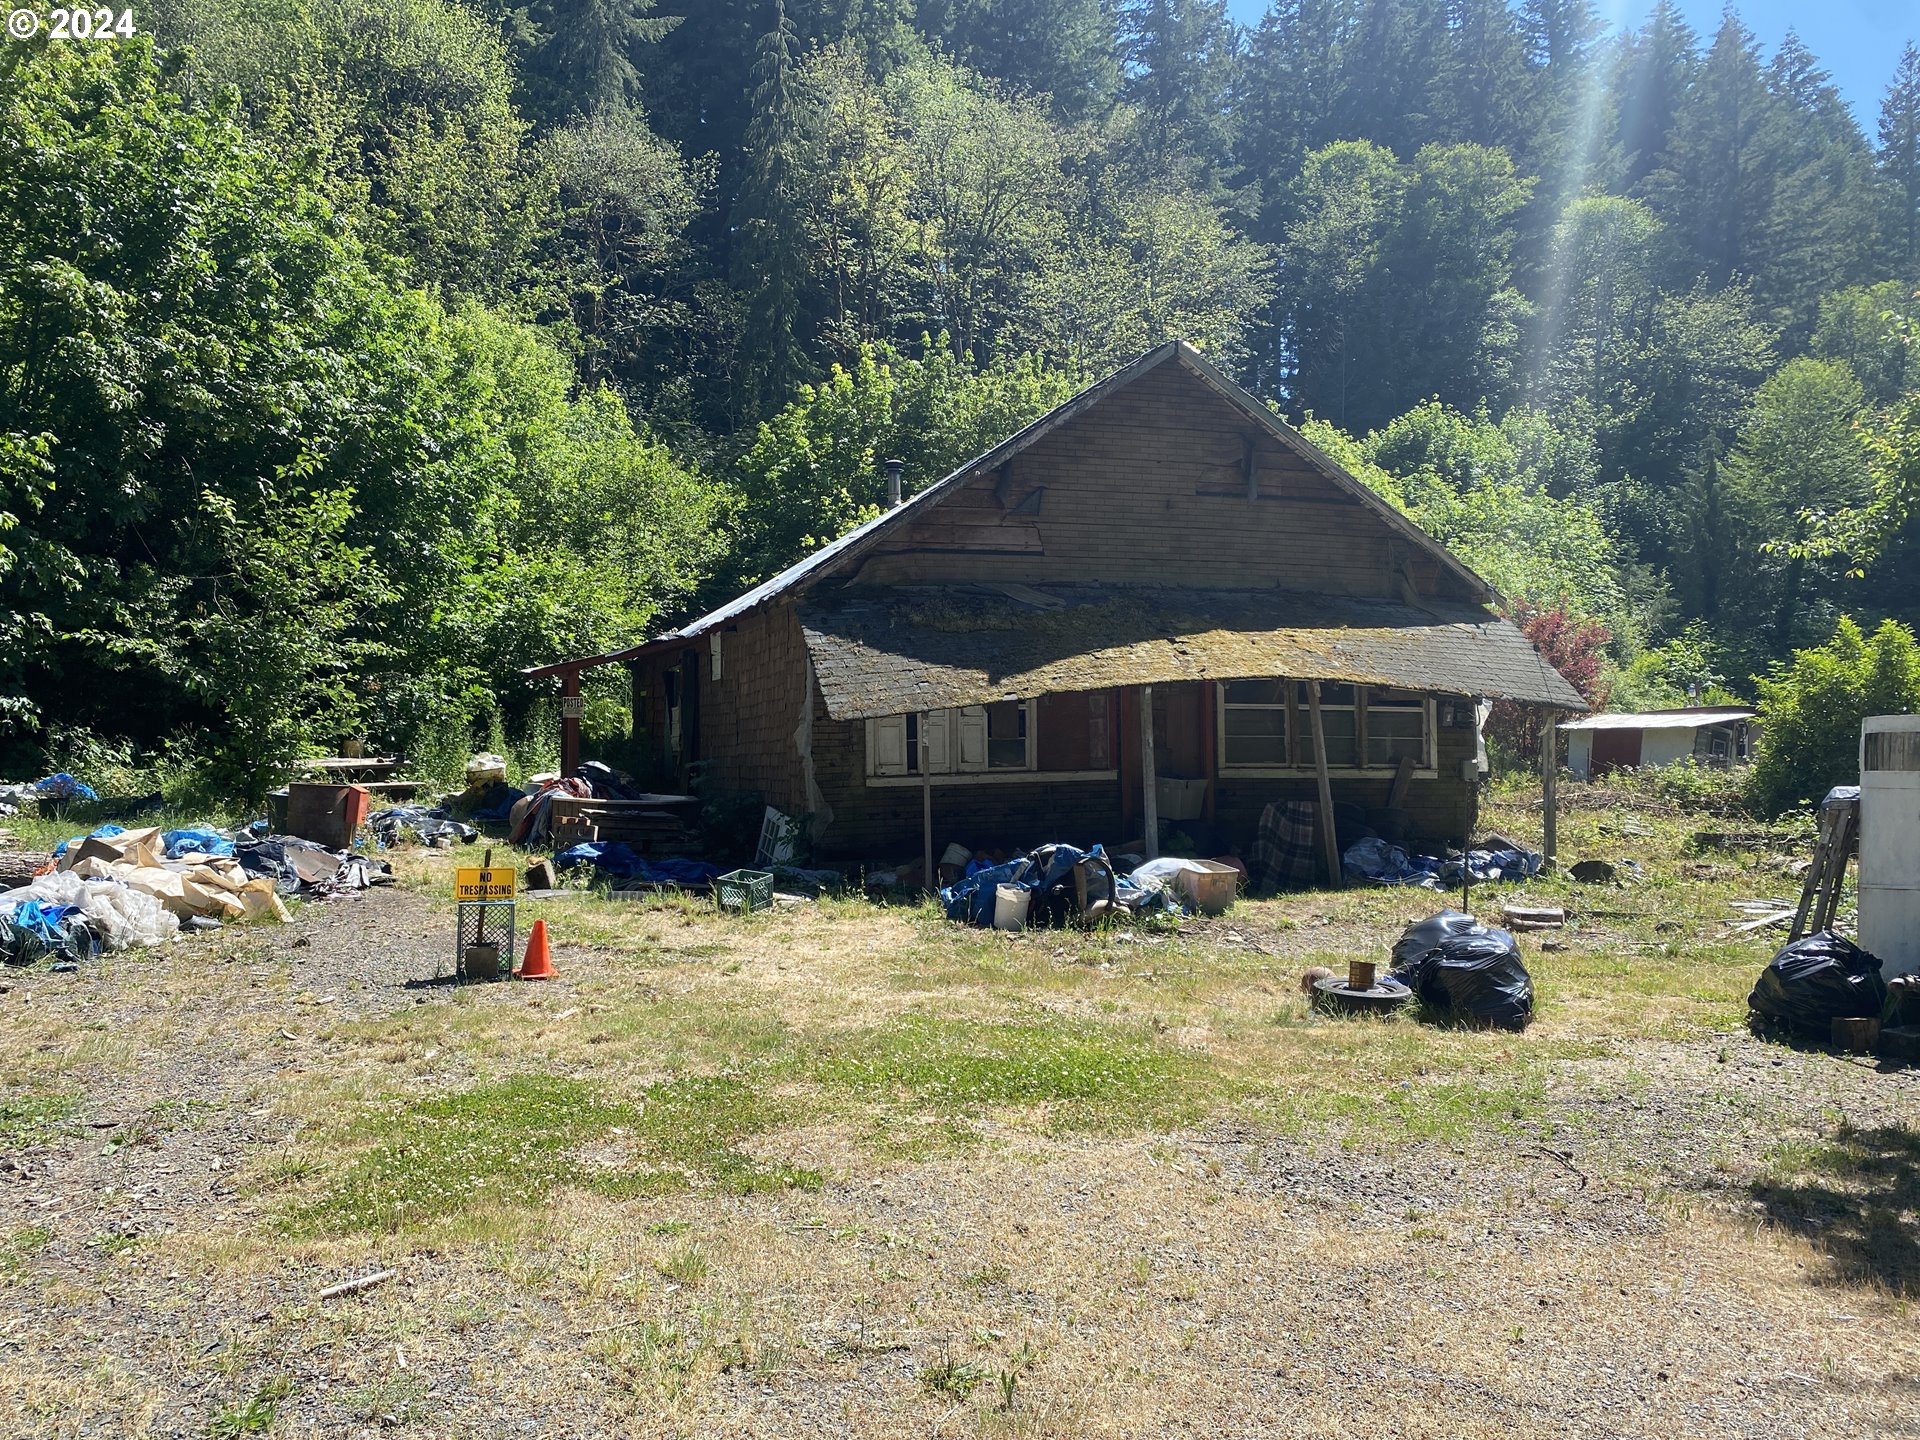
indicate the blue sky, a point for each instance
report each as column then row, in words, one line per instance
column 1859, row 41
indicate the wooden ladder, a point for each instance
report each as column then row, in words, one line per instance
column 1820, row 896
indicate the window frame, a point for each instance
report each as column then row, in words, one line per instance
column 955, row 768
column 1427, row 767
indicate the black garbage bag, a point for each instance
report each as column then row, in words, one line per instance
column 1816, row 980
column 1465, row 970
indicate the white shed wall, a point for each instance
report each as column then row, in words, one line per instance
column 1663, row 747
column 1579, row 753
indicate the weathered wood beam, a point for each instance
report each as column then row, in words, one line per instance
column 1550, row 783
column 1150, row 799
column 1329, row 843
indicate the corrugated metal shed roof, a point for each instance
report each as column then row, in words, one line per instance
column 887, row 652
column 1689, row 719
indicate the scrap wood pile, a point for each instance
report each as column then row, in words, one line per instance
column 116, row 889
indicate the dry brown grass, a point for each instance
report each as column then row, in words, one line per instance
column 850, row 1170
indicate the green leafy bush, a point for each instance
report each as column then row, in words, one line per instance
column 1811, row 708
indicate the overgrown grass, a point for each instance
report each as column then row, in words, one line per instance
column 1086, row 1076
column 511, row 1143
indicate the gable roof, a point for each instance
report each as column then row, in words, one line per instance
column 861, row 538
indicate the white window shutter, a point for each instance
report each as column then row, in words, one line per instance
column 887, row 745
column 973, row 738
column 939, row 754
column 713, row 645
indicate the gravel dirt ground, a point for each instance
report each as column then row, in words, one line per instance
column 1630, row 1221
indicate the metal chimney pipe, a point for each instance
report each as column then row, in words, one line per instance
column 895, row 468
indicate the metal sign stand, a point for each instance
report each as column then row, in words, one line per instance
column 485, row 925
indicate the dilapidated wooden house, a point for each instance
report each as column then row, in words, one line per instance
column 1127, row 612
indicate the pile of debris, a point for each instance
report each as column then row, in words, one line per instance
column 1463, row 972
column 1376, row 862
column 52, row 791
column 117, row 889
column 1058, row 883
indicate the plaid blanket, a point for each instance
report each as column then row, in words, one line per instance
column 1284, row 851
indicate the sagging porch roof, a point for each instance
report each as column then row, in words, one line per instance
column 890, row 651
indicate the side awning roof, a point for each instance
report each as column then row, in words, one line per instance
column 887, row 652
column 1691, row 719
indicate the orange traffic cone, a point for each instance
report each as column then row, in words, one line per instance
column 539, row 962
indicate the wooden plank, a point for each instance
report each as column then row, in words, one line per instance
column 997, row 538
column 1402, row 778
column 1328, row 841
column 1524, row 917
column 1823, row 826
column 1151, row 800
column 1209, row 740
column 1550, row 784
column 928, row 877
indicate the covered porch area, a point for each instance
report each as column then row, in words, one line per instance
column 1150, row 718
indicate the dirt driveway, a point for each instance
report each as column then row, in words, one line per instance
column 767, row 1180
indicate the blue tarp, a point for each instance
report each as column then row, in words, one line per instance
column 499, row 804
column 105, row 832
column 32, row 930
column 195, row 840
column 971, row 900
column 611, row 857
column 1376, row 862
column 63, row 787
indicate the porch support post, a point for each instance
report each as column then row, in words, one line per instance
column 1150, row 801
column 1327, row 841
column 1209, row 738
column 931, row 880
column 569, row 721
column 1550, row 783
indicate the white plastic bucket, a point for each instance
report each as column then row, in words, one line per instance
column 1010, row 906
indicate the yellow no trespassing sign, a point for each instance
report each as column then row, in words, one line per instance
column 476, row 884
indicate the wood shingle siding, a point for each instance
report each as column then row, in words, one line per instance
column 1161, row 528
column 1147, row 488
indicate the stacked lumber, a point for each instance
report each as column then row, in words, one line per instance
column 651, row 825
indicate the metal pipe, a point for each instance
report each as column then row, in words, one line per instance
column 895, row 469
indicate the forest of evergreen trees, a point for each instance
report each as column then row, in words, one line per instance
column 354, row 353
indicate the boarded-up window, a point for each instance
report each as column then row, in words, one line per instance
column 1076, row 732
column 887, row 745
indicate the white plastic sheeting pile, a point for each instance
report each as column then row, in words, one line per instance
column 120, row 915
column 132, row 894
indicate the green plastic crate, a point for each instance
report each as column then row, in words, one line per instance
column 744, row 890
